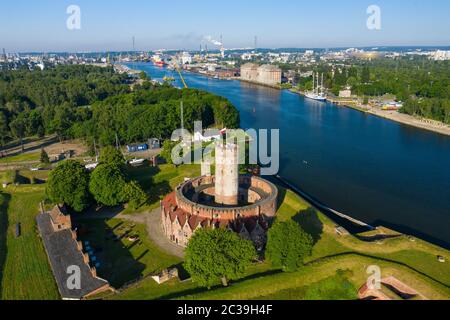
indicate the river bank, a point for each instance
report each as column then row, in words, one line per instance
column 422, row 123
column 417, row 122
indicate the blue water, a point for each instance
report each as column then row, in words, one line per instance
column 372, row 169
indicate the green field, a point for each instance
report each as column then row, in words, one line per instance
column 24, row 176
column 160, row 181
column 25, row 270
column 24, row 157
column 412, row 262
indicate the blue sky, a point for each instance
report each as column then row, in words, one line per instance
column 109, row 25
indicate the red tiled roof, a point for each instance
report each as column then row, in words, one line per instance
column 170, row 207
column 182, row 216
column 193, row 222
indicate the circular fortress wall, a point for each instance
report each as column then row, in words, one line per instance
column 256, row 197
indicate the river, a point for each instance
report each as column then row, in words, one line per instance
column 373, row 169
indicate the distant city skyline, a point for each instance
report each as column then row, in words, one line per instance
column 109, row 26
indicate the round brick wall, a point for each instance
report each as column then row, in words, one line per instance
column 254, row 189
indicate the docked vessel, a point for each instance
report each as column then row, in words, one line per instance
column 317, row 92
column 159, row 63
column 136, row 162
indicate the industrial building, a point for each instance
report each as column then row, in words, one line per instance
column 266, row 74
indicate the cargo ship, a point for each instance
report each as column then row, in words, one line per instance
column 159, row 63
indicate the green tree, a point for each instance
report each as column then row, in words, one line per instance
column 68, row 183
column 215, row 255
column 18, row 129
column 143, row 76
column 107, row 184
column 4, row 130
column 44, row 157
column 134, row 194
column 287, row 245
column 365, row 75
column 167, row 148
column 112, row 157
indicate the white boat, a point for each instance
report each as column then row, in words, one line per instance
column 317, row 97
column 317, row 92
column 136, row 162
column 91, row 166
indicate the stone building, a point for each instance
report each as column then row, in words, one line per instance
column 266, row 74
column 249, row 72
column 269, row 74
column 244, row 204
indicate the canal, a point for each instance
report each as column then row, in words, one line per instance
column 373, row 169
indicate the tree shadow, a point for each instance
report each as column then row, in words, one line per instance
column 309, row 221
column 4, row 202
column 158, row 191
column 112, row 249
column 100, row 211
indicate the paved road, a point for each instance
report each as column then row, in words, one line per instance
column 153, row 220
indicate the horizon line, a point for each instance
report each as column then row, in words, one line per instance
column 235, row 49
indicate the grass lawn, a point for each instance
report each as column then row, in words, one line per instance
column 414, row 263
column 123, row 260
column 32, row 156
column 336, row 287
column 25, row 270
column 160, row 181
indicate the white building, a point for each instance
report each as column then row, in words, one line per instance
column 186, row 58
column 346, row 93
column 440, row 55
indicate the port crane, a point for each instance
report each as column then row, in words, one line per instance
column 181, row 76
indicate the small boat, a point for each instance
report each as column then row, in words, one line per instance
column 91, row 166
column 136, row 162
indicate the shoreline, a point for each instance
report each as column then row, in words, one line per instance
column 402, row 118
column 395, row 116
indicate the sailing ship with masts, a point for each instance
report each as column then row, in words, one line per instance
column 317, row 92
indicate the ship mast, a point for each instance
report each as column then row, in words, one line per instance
column 317, row 79
column 321, row 87
column 314, row 82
